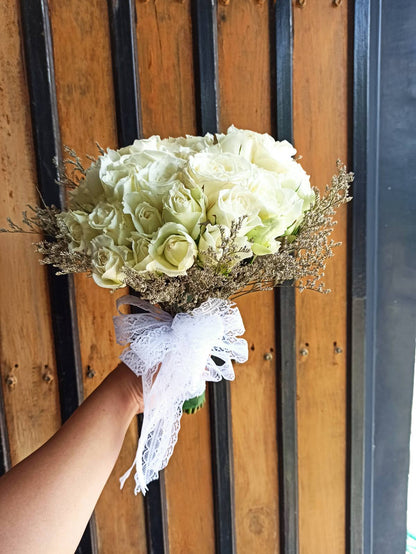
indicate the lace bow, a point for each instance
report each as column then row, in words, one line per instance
column 181, row 348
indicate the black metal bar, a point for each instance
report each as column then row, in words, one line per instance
column 363, row 252
column 37, row 39
column 360, row 396
column 282, row 56
column 122, row 18
column 156, row 517
column 204, row 24
column 287, row 421
column 222, row 466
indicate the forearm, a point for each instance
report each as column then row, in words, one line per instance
column 46, row 500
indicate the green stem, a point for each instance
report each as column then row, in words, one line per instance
column 194, row 404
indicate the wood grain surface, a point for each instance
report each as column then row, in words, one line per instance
column 168, row 108
column 26, row 342
column 244, row 72
column 164, row 42
column 321, row 136
column 85, row 94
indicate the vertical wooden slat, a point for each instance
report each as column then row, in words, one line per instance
column 87, row 114
column 285, row 296
column 37, row 41
column 164, row 40
column 31, row 406
column 321, row 115
column 245, row 100
column 204, row 19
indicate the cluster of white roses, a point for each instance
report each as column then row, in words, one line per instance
column 158, row 205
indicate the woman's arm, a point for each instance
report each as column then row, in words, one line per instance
column 47, row 499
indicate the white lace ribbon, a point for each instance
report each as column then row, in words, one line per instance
column 181, row 348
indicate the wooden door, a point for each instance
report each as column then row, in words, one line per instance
column 76, row 72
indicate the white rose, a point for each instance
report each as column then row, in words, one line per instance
column 140, row 145
column 123, row 187
column 260, row 149
column 298, row 180
column 107, row 262
column 212, row 237
column 146, row 218
column 282, row 205
column 172, row 251
column 119, row 172
column 89, row 191
column 109, row 219
column 77, row 229
column 116, row 175
column 240, row 142
column 232, row 204
column 158, row 177
column 263, row 238
column 214, row 172
column 184, row 147
column 140, row 251
column 112, row 169
column 275, row 157
column 139, row 160
column 186, row 207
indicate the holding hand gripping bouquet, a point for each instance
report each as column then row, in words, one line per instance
column 190, row 224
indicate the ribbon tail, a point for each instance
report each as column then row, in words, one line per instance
column 161, row 423
column 124, row 477
column 141, row 485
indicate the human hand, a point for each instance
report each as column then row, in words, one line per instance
column 129, row 386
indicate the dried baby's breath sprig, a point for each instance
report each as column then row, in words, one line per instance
column 230, row 250
column 312, row 246
column 54, row 248
column 71, row 169
column 15, row 227
column 74, row 160
column 301, row 257
column 58, row 255
column 41, row 220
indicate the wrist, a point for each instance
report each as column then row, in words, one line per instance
column 126, row 389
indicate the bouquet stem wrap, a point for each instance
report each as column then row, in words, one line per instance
column 173, row 357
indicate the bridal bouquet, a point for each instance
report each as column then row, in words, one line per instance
column 190, row 224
